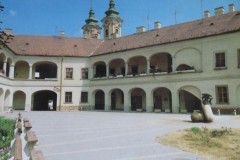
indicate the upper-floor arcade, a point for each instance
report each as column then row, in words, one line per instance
column 184, row 60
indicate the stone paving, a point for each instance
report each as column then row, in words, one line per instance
column 112, row 135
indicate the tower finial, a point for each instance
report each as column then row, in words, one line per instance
column 91, row 3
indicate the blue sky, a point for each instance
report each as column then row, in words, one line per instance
column 49, row 17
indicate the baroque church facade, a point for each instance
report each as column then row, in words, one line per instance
column 166, row 69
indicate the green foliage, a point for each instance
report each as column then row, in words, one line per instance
column 207, row 136
column 196, row 130
column 7, row 127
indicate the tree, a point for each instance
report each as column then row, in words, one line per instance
column 4, row 37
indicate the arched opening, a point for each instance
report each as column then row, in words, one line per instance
column 137, row 65
column 19, row 100
column 117, row 100
column 194, row 59
column 2, row 60
column 138, row 99
column 184, row 67
column 21, row 70
column 117, row 68
column 162, row 99
column 43, row 70
column 1, row 99
column 161, row 62
column 190, row 99
column 99, row 100
column 41, row 100
column 7, row 100
column 100, row 70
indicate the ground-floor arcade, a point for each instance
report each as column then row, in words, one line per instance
column 167, row 97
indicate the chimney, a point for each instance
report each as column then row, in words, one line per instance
column 219, row 11
column 62, row 33
column 231, row 8
column 8, row 31
column 141, row 29
column 206, row 14
column 157, row 25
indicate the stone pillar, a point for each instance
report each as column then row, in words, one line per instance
column 11, row 72
column 175, row 102
column 107, row 71
column 30, row 71
column 173, row 64
column 126, row 68
column 149, row 102
column 107, row 102
column 182, row 103
column 148, row 66
column 28, row 103
column 5, row 67
column 91, row 72
column 127, row 102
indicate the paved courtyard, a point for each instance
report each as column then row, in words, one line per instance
column 112, row 135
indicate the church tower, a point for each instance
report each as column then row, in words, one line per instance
column 91, row 29
column 112, row 23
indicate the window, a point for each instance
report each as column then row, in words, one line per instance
column 84, row 97
column 69, row 73
column 106, row 33
column 220, row 60
column 68, row 97
column 222, row 94
column 84, row 73
column 238, row 58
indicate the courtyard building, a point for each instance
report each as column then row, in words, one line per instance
column 165, row 69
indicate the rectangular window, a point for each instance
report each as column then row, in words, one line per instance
column 222, row 94
column 84, row 97
column 68, row 97
column 69, row 73
column 238, row 58
column 84, row 73
column 220, row 60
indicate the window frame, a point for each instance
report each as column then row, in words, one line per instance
column 68, row 98
column 67, row 73
column 219, row 66
column 84, row 73
column 84, row 98
column 221, row 100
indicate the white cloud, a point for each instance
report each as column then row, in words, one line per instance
column 12, row 12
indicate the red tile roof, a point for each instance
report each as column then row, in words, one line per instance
column 53, row 46
column 191, row 30
column 79, row 47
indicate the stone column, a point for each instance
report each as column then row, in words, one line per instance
column 175, row 102
column 127, row 102
column 149, row 102
column 173, row 64
column 5, row 67
column 11, row 72
column 28, row 103
column 126, row 68
column 30, row 71
column 107, row 102
column 182, row 103
column 148, row 66
column 107, row 71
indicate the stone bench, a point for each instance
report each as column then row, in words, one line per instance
column 27, row 125
column 36, row 155
column 18, row 148
column 19, row 127
column 31, row 140
column 25, row 119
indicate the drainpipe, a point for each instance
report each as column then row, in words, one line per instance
column 60, row 100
